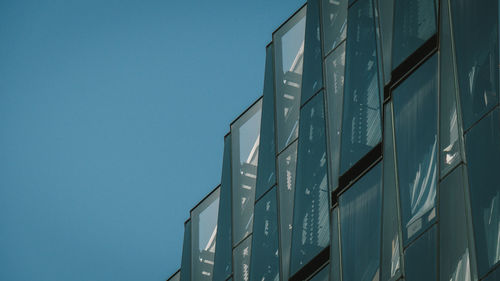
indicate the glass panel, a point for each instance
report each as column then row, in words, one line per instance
column 311, row 233
column 420, row 258
column 265, row 263
column 186, row 253
column 175, row 277
column 288, row 60
column 414, row 24
column 203, row 235
column 223, row 245
column 335, row 64
column 494, row 276
column 245, row 135
column 360, row 213
column 415, row 109
column 322, row 275
column 266, row 171
column 335, row 247
column 361, row 117
column 483, row 155
column 334, row 14
column 450, row 140
column 391, row 239
column 454, row 251
column 241, row 256
column 312, row 79
column 475, row 28
column 386, row 9
column 287, row 162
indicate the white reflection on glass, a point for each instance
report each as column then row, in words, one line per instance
column 491, row 218
column 451, row 150
column 462, row 270
column 395, row 260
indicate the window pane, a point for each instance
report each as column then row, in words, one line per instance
column 335, row 64
column 334, row 23
column 311, row 233
column 266, row 171
column 386, row 9
column 494, row 276
column 360, row 214
column 335, row 246
column 322, row 275
column 420, row 258
column 204, row 232
column 414, row 23
column 287, row 162
column 288, row 60
column 415, row 109
column 454, row 251
column 245, row 136
column 186, row 253
column 312, row 79
column 483, row 155
column 475, row 28
column 241, row 256
column 223, row 245
column 265, row 263
column 361, row 116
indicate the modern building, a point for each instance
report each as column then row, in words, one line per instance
column 372, row 155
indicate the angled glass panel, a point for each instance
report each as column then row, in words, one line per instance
column 494, row 276
column 482, row 144
column 266, row 171
column 312, row 79
column 186, row 253
column 454, row 251
column 414, row 24
column 288, row 62
column 322, row 275
column 335, row 65
column 203, row 236
column 175, row 277
column 361, row 125
column 334, row 15
column 241, row 259
column 450, row 146
column 386, row 10
column 265, row 265
column 223, row 245
column 311, row 232
column 287, row 162
column 360, row 214
column 415, row 111
column 335, row 246
column 245, row 138
column 421, row 258
column 475, row 30
column 391, row 238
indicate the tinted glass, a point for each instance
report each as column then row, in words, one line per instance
column 265, row 263
column 475, row 28
column 335, row 64
column 361, row 116
column 175, row 277
column 266, row 171
column 288, row 62
column 322, row 275
column 245, row 137
column 335, row 246
column 241, row 259
column 414, row 23
column 415, row 110
column 494, row 276
column 421, row 258
column 483, row 155
column 287, row 162
column 334, row 15
column 312, row 79
column 186, row 253
column 311, row 209
column 386, row 9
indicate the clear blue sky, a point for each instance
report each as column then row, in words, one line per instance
column 112, row 117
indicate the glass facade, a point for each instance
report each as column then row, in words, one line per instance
column 372, row 154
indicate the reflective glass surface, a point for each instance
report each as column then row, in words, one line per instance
column 266, row 170
column 360, row 214
column 186, row 253
column 361, row 115
column 245, row 138
column 311, row 233
column 414, row 24
column 312, row 78
column 494, row 276
column 334, row 15
column 241, row 259
column 203, row 235
column 421, row 257
column 386, row 10
column 322, row 275
column 287, row 162
column 482, row 144
column 415, row 112
column 475, row 28
column 265, row 265
column 335, row 246
column 335, row 64
column 175, row 277
column 288, row 62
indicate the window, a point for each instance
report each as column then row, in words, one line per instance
column 186, row 253
column 334, row 23
column 421, row 258
column 241, row 259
